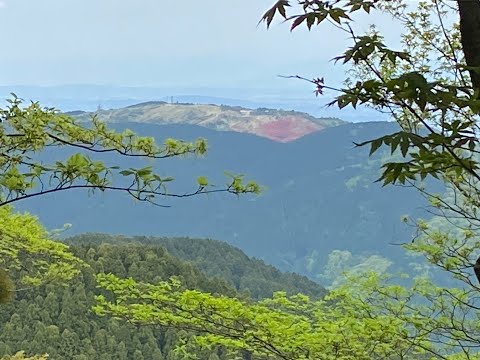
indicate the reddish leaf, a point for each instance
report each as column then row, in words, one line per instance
column 298, row 21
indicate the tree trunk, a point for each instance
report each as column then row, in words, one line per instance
column 469, row 11
column 6, row 287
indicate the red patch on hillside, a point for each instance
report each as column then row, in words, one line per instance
column 287, row 128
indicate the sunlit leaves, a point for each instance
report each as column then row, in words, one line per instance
column 238, row 185
column 21, row 356
column 26, row 248
column 202, row 181
column 367, row 317
column 294, row 327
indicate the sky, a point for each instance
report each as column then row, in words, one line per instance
column 210, row 43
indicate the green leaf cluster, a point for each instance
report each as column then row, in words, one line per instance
column 29, row 256
column 343, row 326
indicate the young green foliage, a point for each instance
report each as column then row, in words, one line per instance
column 21, row 356
column 29, row 256
column 281, row 327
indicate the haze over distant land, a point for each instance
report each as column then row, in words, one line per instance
column 141, row 52
column 88, row 97
column 143, row 44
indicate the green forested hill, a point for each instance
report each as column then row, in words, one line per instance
column 221, row 260
column 58, row 320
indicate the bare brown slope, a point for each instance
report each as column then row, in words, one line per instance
column 277, row 125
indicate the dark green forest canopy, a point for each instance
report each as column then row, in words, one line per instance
column 219, row 260
column 57, row 319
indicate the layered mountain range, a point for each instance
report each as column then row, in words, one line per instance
column 319, row 192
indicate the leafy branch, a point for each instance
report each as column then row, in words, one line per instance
column 26, row 132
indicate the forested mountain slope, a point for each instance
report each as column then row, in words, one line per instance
column 217, row 259
column 319, row 196
column 58, row 319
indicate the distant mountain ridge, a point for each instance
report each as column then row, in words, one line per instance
column 274, row 124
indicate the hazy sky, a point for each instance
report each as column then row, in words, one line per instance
column 213, row 43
